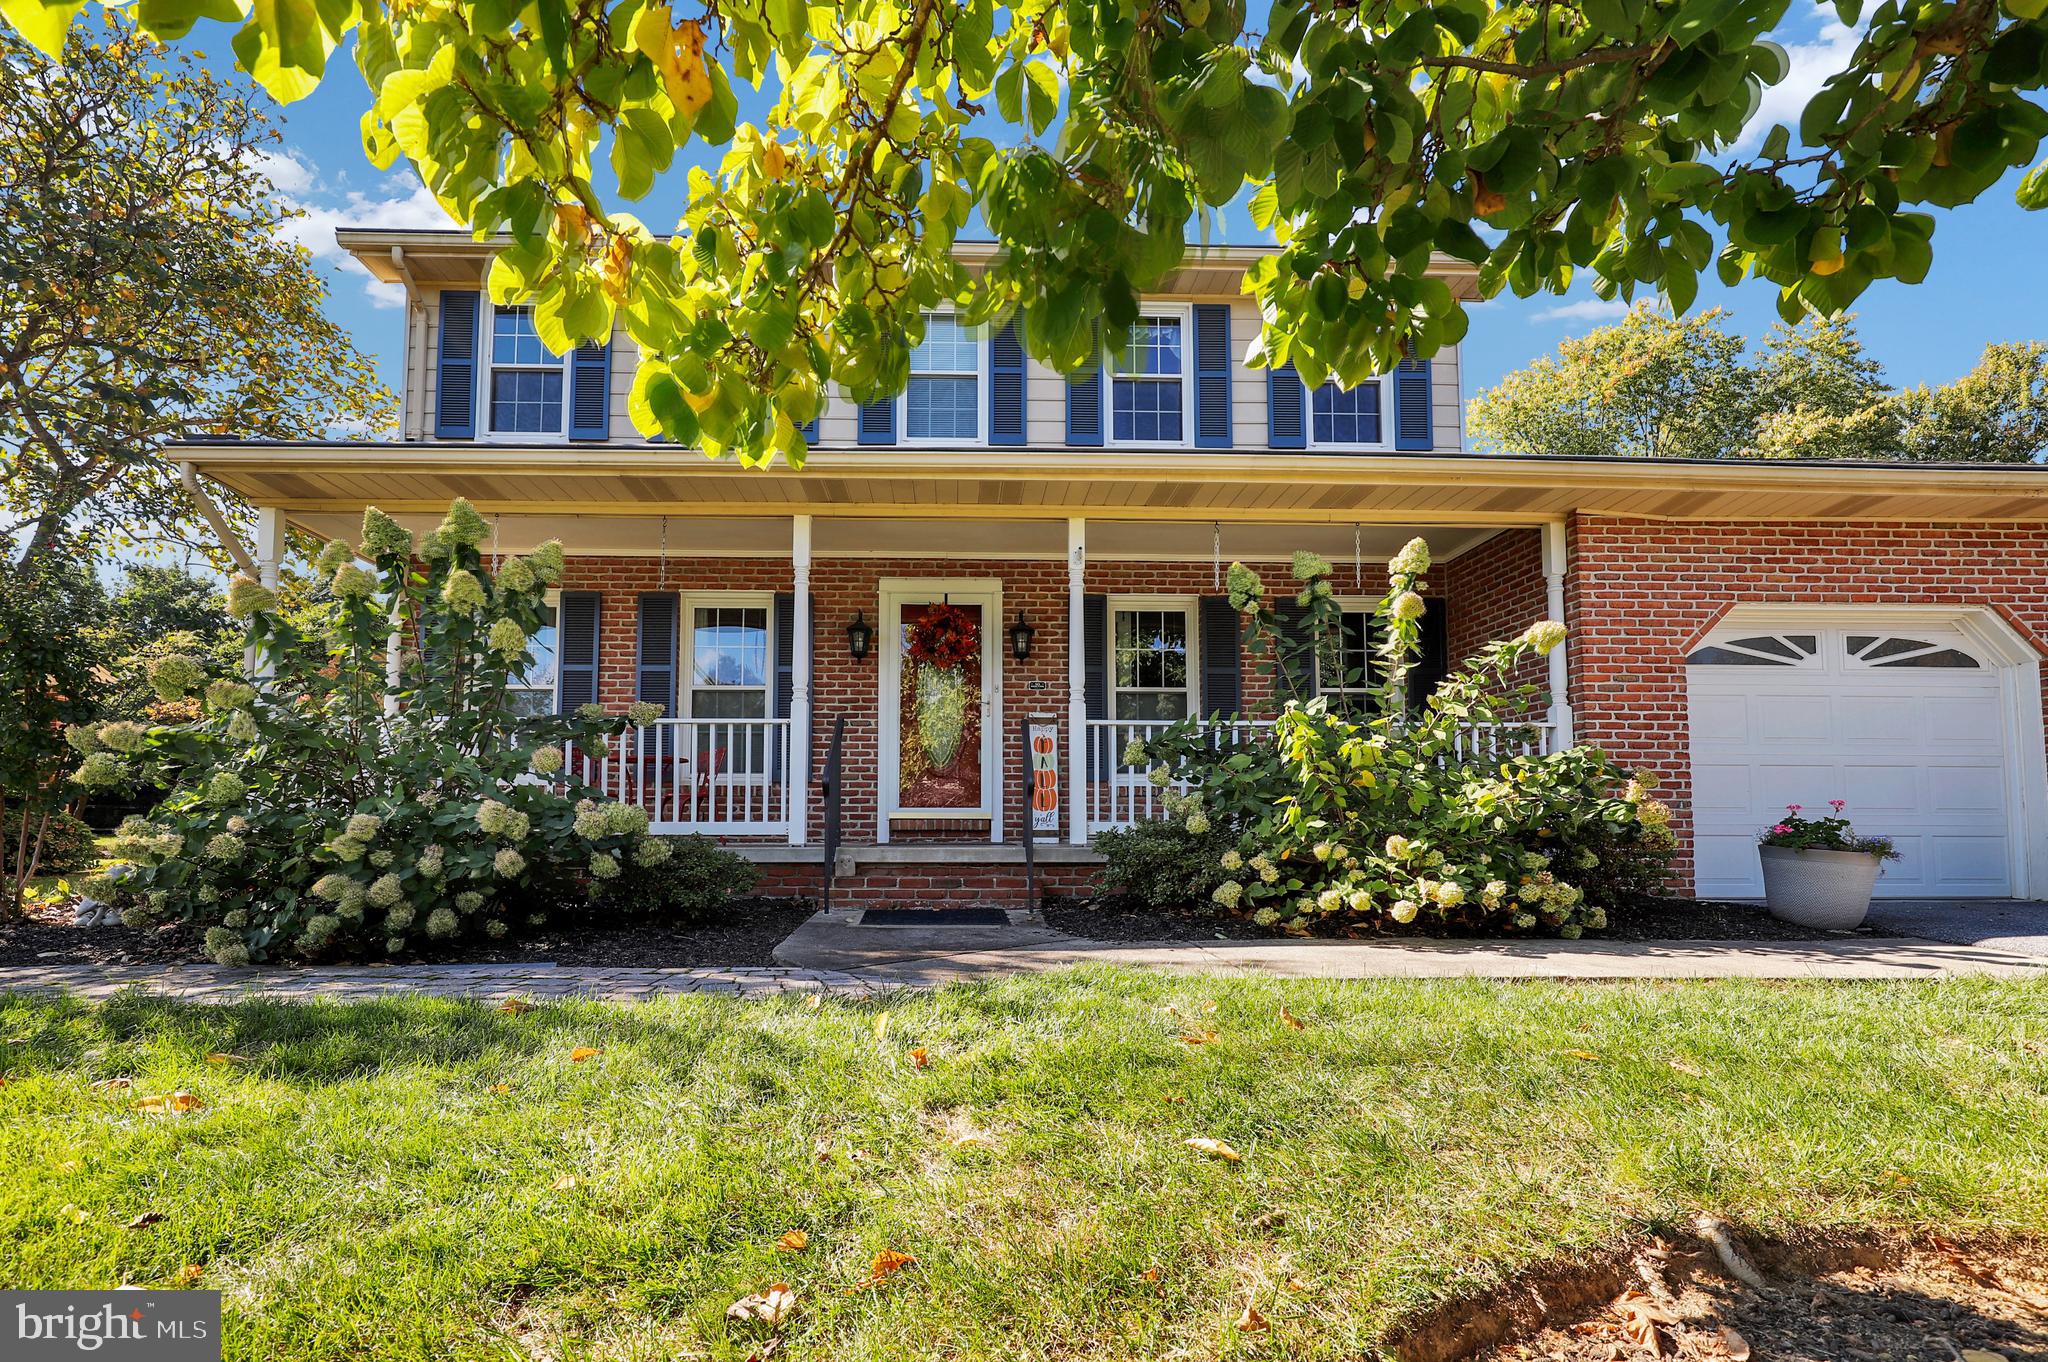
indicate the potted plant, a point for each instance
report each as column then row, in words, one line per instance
column 1817, row 871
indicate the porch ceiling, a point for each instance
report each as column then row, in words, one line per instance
column 1180, row 485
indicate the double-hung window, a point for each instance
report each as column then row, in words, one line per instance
column 526, row 379
column 728, row 660
column 1347, row 418
column 1149, row 382
column 1344, row 663
column 532, row 692
column 1152, row 672
column 942, row 402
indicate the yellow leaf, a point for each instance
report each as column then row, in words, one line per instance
column 223, row 1057
column 882, row 1027
column 1689, row 1070
column 183, row 1101
column 189, row 1274
column 970, row 1140
column 1586, row 1055
column 113, row 1085
column 1209, row 1006
column 1251, row 1321
column 73, row 1214
column 814, row 1002
column 1197, row 1037
column 678, row 54
column 1289, row 1019
column 793, row 1241
column 775, row 159
column 1215, row 1149
column 501, row 1088
column 513, row 1007
column 565, row 1182
column 583, row 1052
column 919, row 1059
column 768, row 1307
column 1737, row 1347
column 886, row 1262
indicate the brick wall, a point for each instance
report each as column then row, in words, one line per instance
column 1640, row 593
column 1494, row 591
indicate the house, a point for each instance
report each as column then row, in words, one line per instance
column 1755, row 634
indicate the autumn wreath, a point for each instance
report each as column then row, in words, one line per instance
column 946, row 637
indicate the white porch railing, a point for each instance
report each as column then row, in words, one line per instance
column 1120, row 794
column 723, row 777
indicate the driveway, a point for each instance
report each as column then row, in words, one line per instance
column 2016, row 925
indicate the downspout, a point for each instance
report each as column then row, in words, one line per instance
column 211, row 513
column 415, row 341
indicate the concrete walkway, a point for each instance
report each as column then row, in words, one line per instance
column 367, row 983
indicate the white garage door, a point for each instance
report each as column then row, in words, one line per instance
column 1907, row 725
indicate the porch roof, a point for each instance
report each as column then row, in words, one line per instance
column 308, row 478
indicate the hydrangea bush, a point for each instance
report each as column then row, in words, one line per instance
column 339, row 807
column 1394, row 813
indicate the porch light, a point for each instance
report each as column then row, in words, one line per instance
column 859, row 635
column 1021, row 634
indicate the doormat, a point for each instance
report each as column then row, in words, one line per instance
column 934, row 917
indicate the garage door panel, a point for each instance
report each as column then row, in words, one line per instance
column 1880, row 789
column 1721, row 789
column 1792, row 718
column 1725, row 866
column 1809, row 784
column 1721, row 719
column 1978, row 719
column 1975, row 789
column 1967, row 861
column 1876, row 718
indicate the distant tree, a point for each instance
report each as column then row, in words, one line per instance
column 1653, row 386
column 157, row 611
column 49, row 680
column 145, row 292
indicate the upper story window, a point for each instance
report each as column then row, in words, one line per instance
column 526, row 377
column 943, row 399
column 1148, row 401
column 1347, row 418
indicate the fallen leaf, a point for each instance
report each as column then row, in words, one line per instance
column 513, row 1007
column 1209, row 1006
column 69, row 1166
column 583, row 1052
column 822, row 1151
column 1689, row 1070
column 1734, row 1344
column 113, row 1085
column 1174, row 1099
column 1215, row 1149
column 768, row 1307
column 501, row 1088
column 177, row 1104
column 814, row 1002
column 882, row 1027
column 886, row 1262
column 1580, row 1055
column 73, row 1214
column 1150, row 1274
column 1269, row 1221
column 565, row 1182
column 919, row 1058
column 184, row 1101
column 1296, row 1284
column 145, row 1220
column 1289, row 1019
column 1197, row 1037
column 793, row 1241
column 1251, row 1321
column 223, row 1057
column 189, row 1274
column 1641, row 1318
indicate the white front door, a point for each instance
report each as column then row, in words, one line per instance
column 1907, row 724
column 940, row 700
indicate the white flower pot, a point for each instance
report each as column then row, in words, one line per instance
column 1816, row 888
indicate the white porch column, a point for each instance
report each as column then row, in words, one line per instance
column 1554, row 558
column 270, row 541
column 800, row 672
column 1077, row 685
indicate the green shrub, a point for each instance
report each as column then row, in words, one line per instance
column 1391, row 815
column 1161, row 864
column 697, row 879
column 333, row 810
column 68, row 844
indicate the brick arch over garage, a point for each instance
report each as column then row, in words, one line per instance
column 1640, row 593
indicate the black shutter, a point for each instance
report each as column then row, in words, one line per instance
column 1286, row 409
column 578, row 634
column 1095, row 677
column 785, row 653
column 1296, row 661
column 657, row 650
column 590, row 391
column 455, row 375
column 1221, row 633
column 1006, row 387
column 1432, row 660
column 1212, row 376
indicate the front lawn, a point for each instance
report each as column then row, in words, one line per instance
column 427, row 1179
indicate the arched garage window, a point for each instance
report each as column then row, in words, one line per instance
column 1763, row 650
column 1892, row 650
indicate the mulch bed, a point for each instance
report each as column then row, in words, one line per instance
column 1823, row 1298
column 744, row 935
column 1647, row 920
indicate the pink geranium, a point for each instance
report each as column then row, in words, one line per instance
column 1795, row 808
column 1782, row 828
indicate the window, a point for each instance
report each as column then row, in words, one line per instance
column 1152, row 672
column 1340, row 417
column 1764, row 650
column 1344, row 664
column 728, row 661
column 533, row 691
column 1875, row 650
column 526, row 377
column 1148, row 404
column 943, row 399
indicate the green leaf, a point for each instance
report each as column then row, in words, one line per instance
column 1010, row 93
column 2033, row 191
column 173, row 19
column 1264, row 206
column 1045, row 95
column 43, row 22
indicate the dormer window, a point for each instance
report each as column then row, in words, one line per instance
column 942, row 403
column 1148, row 400
column 526, row 377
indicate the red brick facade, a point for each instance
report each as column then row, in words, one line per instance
column 1640, row 594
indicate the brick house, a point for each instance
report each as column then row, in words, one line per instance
column 1756, row 634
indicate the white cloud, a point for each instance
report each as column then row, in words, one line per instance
column 1584, row 310
column 323, row 208
column 1812, row 64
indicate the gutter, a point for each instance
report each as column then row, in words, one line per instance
column 211, row 513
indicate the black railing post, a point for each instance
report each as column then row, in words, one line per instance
column 829, row 787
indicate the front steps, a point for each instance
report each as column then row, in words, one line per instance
column 925, row 874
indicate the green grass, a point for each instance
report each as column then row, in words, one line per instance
column 361, row 1190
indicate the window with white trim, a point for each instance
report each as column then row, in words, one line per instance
column 524, row 392
column 532, row 692
column 1152, row 667
column 1348, row 418
column 1760, row 650
column 728, row 657
column 1893, row 650
column 1344, row 663
column 1149, row 388
column 942, row 401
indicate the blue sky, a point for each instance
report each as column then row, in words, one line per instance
column 1989, row 281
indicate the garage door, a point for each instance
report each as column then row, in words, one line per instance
column 1908, row 726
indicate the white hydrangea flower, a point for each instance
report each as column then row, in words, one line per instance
column 651, row 851
column 507, row 639
column 626, row 820
column 1329, row 901
column 1402, row 910
column 1265, row 917
column 225, row 846
column 1198, row 823
column 431, row 862
column 1134, row 752
column 644, row 712
column 1360, row 901
column 442, row 923
column 1309, row 566
column 124, row 735
column 469, row 900
column 1229, row 893
column 1448, row 894
column 1544, row 635
column 384, row 891
column 1160, row 777
column 604, row 866
column 508, row 863
column 1408, row 606
column 1412, row 560
column 364, row 826
column 545, row 761
column 100, row 770
column 1398, row 847
column 1232, row 860
column 242, row 726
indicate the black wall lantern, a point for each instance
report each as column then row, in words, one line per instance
column 859, row 635
column 1021, row 634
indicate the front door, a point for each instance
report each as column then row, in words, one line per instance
column 940, row 706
